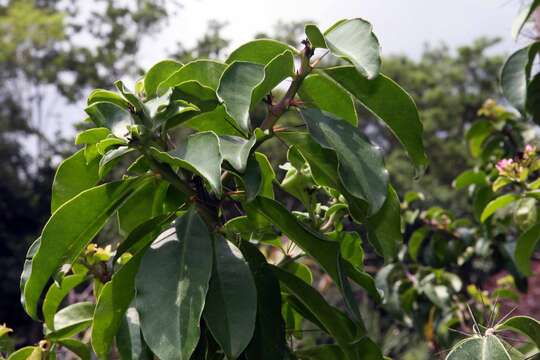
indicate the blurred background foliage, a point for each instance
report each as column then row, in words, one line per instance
column 52, row 52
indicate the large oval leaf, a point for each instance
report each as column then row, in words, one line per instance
column 171, row 287
column 320, row 91
column 480, row 348
column 388, row 102
column 236, row 88
column 361, row 166
column 231, row 303
column 67, row 232
column 73, row 175
column 260, row 51
column 268, row 341
column 205, row 72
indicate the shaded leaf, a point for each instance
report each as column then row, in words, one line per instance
column 235, row 150
column 110, row 116
column 525, row 247
column 524, row 325
column 72, row 320
column 57, row 293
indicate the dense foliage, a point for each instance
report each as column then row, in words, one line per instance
column 211, row 263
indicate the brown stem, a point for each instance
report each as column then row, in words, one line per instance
column 277, row 110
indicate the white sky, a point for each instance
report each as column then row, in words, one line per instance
column 402, row 26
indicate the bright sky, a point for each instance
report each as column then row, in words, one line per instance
column 402, row 26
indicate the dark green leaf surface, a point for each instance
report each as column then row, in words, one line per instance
column 388, row 102
column 259, row 177
column 71, row 320
column 277, row 70
column 77, row 347
column 497, row 204
column 525, row 247
column 235, row 150
column 67, row 232
column 361, row 167
column 129, row 341
column 268, row 341
column 524, row 325
column 480, row 348
column 315, row 36
column 231, row 302
column 171, row 287
column 216, row 120
column 57, row 293
column 73, row 176
column 157, row 74
column 200, row 154
column 205, row 72
column 236, row 89
column 324, row 93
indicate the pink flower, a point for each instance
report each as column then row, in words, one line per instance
column 504, row 165
column 529, row 152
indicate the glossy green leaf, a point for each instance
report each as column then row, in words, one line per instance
column 171, row 287
column 110, row 116
column 111, row 158
column 236, row 88
column 259, row 177
column 57, row 293
column 200, row 154
column 533, row 98
column 147, row 203
column 231, row 303
column 67, row 233
column 354, row 41
column 324, row 93
column 77, row 347
column 497, row 204
column 470, row 177
column 112, row 304
column 389, row 103
column 515, row 75
column 129, row 341
column 524, row 325
column 91, row 136
column 277, row 70
column 361, row 167
column 100, row 95
column 23, row 353
column 350, row 245
column 315, row 36
column 525, row 247
column 157, row 74
column 260, row 51
column 216, row 120
column 268, row 341
column 476, row 136
column 235, row 150
column 415, row 242
column 73, row 176
column 384, row 227
column 205, row 72
column 481, row 348
column 72, row 320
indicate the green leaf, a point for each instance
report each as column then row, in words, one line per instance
column 67, row 233
column 400, row 114
column 231, row 302
column 200, row 154
column 354, row 41
column 100, row 95
column 384, row 227
column 111, row 158
column 324, row 93
column 259, row 177
column 477, row 135
column 315, row 36
column 533, row 98
column 277, row 70
column 415, row 242
column 27, row 267
column 524, row 325
column 23, row 353
column 129, row 341
column 73, row 176
column 57, row 293
column 516, row 73
column 110, row 116
column 525, row 247
column 480, row 348
column 350, row 245
column 470, row 177
column 91, row 136
column 321, row 352
column 361, row 167
column 72, row 320
column 260, row 51
column 171, row 287
column 216, row 120
column 268, row 341
column 236, row 88
column 157, row 74
column 236, row 150
column 147, row 203
column 112, row 304
column 497, row 204
column 77, row 347
column 205, row 72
